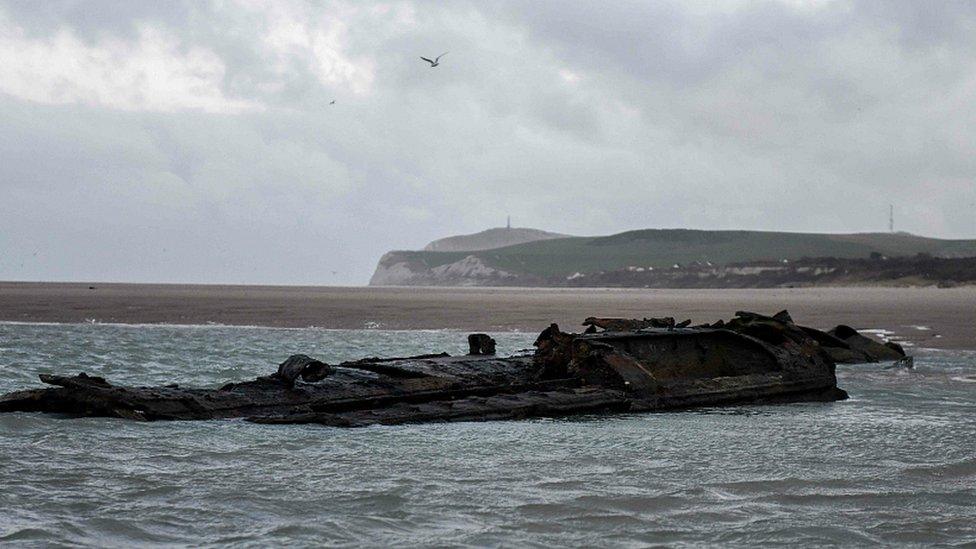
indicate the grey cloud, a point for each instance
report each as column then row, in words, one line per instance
column 573, row 117
column 94, row 18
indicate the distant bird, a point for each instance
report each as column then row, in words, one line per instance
column 436, row 61
column 332, row 102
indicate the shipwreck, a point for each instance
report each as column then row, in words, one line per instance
column 614, row 366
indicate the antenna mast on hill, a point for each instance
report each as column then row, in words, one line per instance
column 891, row 218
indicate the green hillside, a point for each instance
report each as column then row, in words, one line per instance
column 665, row 247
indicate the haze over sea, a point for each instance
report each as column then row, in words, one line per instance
column 895, row 464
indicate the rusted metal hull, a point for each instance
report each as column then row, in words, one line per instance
column 750, row 359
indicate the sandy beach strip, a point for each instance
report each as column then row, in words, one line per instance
column 928, row 317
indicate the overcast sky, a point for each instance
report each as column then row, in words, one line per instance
column 194, row 142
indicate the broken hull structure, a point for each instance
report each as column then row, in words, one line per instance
column 751, row 359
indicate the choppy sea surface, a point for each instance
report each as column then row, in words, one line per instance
column 894, row 465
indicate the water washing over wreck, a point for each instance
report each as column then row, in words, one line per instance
column 616, row 365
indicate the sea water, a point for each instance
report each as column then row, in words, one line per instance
column 895, row 464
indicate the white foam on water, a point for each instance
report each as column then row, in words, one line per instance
column 964, row 379
column 887, row 335
column 96, row 322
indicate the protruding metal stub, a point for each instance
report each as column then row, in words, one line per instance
column 481, row 344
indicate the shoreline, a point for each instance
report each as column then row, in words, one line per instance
column 926, row 317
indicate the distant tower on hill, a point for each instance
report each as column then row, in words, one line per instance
column 891, row 218
column 508, row 224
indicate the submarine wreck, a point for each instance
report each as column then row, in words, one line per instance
column 614, row 366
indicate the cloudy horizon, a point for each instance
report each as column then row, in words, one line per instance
column 196, row 142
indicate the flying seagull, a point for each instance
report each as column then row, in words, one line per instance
column 436, row 61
